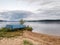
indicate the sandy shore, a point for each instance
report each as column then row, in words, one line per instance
column 35, row 38
column 42, row 39
column 12, row 41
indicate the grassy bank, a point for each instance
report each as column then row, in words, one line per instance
column 11, row 34
column 4, row 32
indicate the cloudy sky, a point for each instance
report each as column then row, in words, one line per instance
column 28, row 5
column 43, row 9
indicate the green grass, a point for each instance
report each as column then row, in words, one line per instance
column 27, row 42
column 11, row 34
column 4, row 32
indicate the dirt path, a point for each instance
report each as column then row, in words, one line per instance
column 42, row 39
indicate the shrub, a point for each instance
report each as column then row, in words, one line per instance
column 28, row 28
column 27, row 42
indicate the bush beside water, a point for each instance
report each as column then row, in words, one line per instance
column 29, row 28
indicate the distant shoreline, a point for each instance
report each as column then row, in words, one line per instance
column 57, row 20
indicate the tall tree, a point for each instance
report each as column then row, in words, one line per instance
column 22, row 21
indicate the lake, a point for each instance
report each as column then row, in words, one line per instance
column 40, row 27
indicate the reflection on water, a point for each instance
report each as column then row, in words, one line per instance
column 39, row 27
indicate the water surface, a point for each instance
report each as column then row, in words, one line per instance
column 40, row 27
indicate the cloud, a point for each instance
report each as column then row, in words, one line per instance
column 43, row 9
column 14, row 15
column 43, row 2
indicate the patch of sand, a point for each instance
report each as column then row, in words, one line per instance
column 42, row 39
column 35, row 38
column 11, row 41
